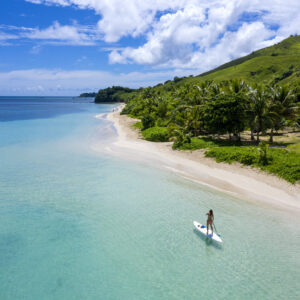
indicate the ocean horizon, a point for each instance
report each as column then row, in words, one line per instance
column 81, row 224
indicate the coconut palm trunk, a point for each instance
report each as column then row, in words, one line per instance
column 252, row 135
column 271, row 135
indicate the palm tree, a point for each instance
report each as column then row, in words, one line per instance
column 260, row 113
column 284, row 107
column 178, row 135
column 236, row 86
column 215, row 89
column 193, row 119
column 203, row 90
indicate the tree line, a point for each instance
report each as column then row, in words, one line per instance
column 227, row 107
column 113, row 94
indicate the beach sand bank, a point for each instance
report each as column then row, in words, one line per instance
column 239, row 181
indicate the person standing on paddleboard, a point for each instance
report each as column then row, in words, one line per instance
column 210, row 219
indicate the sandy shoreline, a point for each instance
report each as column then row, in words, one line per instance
column 242, row 182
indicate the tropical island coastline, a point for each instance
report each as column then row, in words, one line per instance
column 236, row 180
column 150, row 150
column 241, row 132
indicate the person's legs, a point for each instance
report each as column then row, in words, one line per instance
column 207, row 224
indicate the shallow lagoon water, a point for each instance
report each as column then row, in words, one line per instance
column 76, row 224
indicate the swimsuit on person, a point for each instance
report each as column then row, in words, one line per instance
column 209, row 219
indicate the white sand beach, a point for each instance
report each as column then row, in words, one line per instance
column 239, row 181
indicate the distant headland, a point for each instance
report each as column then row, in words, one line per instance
column 112, row 94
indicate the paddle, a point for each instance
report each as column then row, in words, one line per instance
column 216, row 229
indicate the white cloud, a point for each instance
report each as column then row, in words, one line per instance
column 187, row 33
column 195, row 36
column 60, row 82
column 81, row 59
column 183, row 36
column 116, row 57
column 54, row 34
column 233, row 44
column 71, row 35
column 50, row 2
column 120, row 18
column 35, row 49
column 5, row 38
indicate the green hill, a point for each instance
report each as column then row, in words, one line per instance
column 279, row 63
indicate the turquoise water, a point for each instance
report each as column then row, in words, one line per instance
column 76, row 224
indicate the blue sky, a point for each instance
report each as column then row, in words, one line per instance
column 65, row 47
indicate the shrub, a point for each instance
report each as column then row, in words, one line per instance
column 196, row 143
column 177, row 79
column 263, row 153
column 148, row 121
column 138, row 125
column 283, row 76
column 281, row 162
column 284, row 164
column 156, row 134
column 246, row 155
column 180, row 140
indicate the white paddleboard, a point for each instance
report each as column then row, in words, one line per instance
column 202, row 228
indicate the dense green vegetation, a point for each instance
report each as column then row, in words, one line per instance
column 277, row 161
column 206, row 142
column 88, row 95
column 282, row 162
column 199, row 117
column 156, row 134
column 229, row 107
column 214, row 109
column 114, row 94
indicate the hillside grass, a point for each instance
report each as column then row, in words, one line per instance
column 262, row 69
column 279, row 63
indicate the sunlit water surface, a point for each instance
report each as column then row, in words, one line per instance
column 76, row 224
